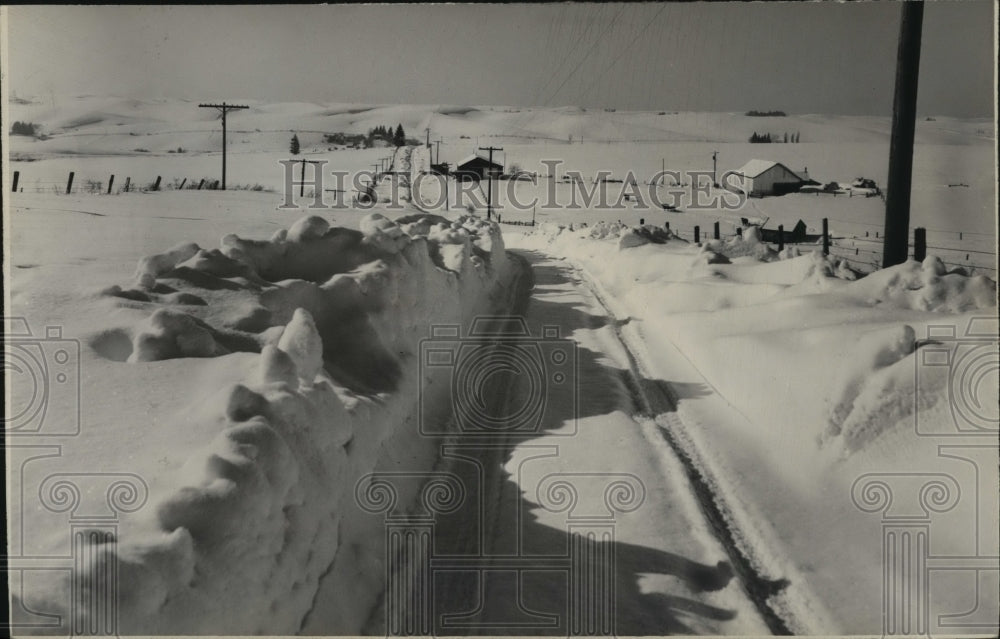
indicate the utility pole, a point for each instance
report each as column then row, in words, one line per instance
column 446, row 192
column 428, row 130
column 223, row 109
column 302, row 184
column 489, row 190
column 904, row 116
column 715, row 177
column 438, row 144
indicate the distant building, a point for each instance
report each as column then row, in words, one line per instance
column 476, row 167
column 443, row 169
column 764, row 177
column 798, row 235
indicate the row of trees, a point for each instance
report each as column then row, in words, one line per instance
column 23, row 128
column 767, row 138
column 386, row 133
column 766, row 114
column 395, row 137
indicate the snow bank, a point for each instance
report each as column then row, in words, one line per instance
column 928, row 286
column 785, row 312
column 748, row 244
column 253, row 525
column 169, row 334
column 860, row 374
column 644, row 234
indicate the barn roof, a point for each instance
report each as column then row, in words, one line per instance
column 753, row 168
column 476, row 156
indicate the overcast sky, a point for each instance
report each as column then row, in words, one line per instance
column 801, row 58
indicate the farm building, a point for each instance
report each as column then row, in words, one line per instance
column 442, row 168
column 476, row 167
column 764, row 177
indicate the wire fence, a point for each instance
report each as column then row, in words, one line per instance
column 111, row 184
column 955, row 248
column 867, row 252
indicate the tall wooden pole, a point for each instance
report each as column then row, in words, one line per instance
column 224, row 109
column 904, row 116
column 489, row 190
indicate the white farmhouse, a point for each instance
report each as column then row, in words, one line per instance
column 764, row 177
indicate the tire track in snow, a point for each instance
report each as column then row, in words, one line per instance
column 656, row 402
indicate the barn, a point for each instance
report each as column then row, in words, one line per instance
column 764, row 177
column 476, row 167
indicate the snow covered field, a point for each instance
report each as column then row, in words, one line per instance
column 226, row 371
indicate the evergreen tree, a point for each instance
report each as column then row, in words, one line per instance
column 786, row 137
column 400, row 137
column 294, row 150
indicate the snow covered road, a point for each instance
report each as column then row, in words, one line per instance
column 650, row 562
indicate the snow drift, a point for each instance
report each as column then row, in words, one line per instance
column 325, row 325
column 788, row 315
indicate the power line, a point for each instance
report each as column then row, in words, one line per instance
column 599, row 40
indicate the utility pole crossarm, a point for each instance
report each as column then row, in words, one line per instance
column 229, row 107
column 224, row 109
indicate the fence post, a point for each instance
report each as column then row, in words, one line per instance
column 156, row 187
column 128, row 181
column 697, row 235
column 826, row 236
column 781, row 237
column 715, row 232
column 201, row 184
column 919, row 244
column 69, row 183
column 13, row 188
column 183, row 182
column 111, row 182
